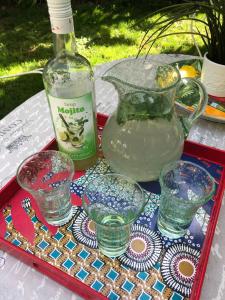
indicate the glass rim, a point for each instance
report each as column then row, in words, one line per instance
column 156, row 90
column 169, row 167
column 28, row 158
column 120, row 176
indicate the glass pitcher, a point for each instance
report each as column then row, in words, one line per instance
column 145, row 133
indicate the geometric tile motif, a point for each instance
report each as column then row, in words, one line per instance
column 58, row 236
column 176, row 296
column 43, row 245
column 83, row 254
column 68, row 264
column 179, row 267
column 144, row 249
column 70, row 245
column 44, row 228
column 128, row 286
column 7, row 234
column 113, row 296
column 76, row 189
column 144, row 296
column 82, row 230
column 69, row 228
column 16, row 242
column 142, row 275
column 159, row 286
column 74, row 258
column 97, row 285
column 112, row 274
column 157, row 266
column 34, row 219
column 82, row 274
column 98, row 264
column 8, row 219
column 55, row 254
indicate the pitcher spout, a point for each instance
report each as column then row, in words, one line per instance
column 123, row 76
column 118, row 85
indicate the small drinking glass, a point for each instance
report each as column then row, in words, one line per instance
column 47, row 176
column 113, row 202
column 185, row 187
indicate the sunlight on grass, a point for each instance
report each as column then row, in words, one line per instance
column 23, row 67
column 102, row 35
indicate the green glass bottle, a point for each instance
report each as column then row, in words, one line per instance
column 69, row 86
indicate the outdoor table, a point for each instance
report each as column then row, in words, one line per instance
column 26, row 130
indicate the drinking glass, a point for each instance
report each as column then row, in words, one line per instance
column 185, row 187
column 113, row 202
column 47, row 176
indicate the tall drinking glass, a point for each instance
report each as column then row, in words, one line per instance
column 113, row 202
column 47, row 176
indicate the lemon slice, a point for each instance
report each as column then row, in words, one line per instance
column 188, row 71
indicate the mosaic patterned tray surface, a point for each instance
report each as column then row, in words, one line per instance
column 154, row 267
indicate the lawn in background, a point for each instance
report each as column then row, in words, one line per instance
column 104, row 32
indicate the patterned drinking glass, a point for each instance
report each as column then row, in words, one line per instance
column 113, row 202
column 47, row 176
column 185, row 187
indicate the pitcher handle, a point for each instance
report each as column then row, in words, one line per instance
column 187, row 122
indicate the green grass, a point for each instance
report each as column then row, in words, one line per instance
column 104, row 33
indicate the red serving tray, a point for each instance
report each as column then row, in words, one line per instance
column 9, row 192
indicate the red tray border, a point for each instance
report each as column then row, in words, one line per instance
column 211, row 154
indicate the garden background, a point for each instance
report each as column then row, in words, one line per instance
column 105, row 30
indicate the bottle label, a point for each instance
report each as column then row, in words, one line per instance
column 74, row 124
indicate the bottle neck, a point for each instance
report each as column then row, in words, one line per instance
column 64, row 43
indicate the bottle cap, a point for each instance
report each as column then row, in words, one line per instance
column 61, row 16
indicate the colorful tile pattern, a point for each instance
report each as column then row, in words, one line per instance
column 153, row 266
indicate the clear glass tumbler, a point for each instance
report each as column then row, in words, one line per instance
column 185, row 187
column 113, row 202
column 47, row 176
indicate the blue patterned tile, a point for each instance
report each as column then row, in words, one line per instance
column 58, row 236
column 7, row 234
column 128, row 286
column 97, row 285
column 43, row 245
column 44, row 228
column 145, row 296
column 16, row 242
column 55, row 254
column 112, row 274
column 142, row 275
column 159, row 286
column 83, row 254
column 82, row 274
column 97, row 264
column 8, row 219
column 113, row 296
column 176, row 296
column 68, row 264
column 70, row 245
column 157, row 266
column 69, row 228
column 34, row 219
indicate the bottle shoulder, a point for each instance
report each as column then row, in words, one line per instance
column 67, row 72
column 68, row 61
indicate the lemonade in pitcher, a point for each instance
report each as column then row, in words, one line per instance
column 144, row 133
